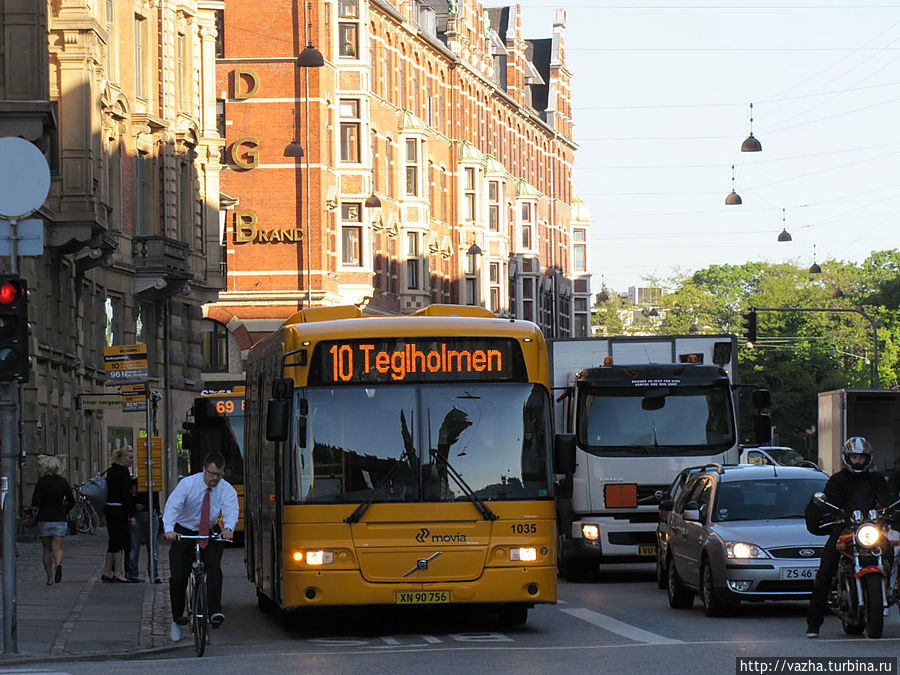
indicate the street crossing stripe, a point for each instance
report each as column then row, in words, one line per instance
column 626, row 630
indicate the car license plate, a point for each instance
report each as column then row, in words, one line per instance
column 798, row 572
column 421, row 597
column 649, row 550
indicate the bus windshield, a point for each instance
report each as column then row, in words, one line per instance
column 378, row 443
column 655, row 420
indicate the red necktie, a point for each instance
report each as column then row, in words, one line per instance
column 204, row 518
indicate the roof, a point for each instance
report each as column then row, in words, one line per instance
column 739, row 472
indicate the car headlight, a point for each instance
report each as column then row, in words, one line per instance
column 738, row 549
column 868, row 535
column 591, row 532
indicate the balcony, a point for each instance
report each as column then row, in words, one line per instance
column 161, row 266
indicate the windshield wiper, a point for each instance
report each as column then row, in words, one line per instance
column 483, row 508
column 360, row 510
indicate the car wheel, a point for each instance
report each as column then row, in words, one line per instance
column 713, row 602
column 661, row 573
column 680, row 596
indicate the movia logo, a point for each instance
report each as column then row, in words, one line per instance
column 425, row 535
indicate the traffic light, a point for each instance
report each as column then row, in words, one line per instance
column 14, row 363
column 750, row 325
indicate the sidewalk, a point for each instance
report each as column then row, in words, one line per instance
column 83, row 616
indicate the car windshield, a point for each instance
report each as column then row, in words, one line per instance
column 786, row 456
column 765, row 499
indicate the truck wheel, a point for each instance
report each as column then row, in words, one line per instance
column 680, row 596
column 873, row 597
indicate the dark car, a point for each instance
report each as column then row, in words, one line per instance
column 737, row 533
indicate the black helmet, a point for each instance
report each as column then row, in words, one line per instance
column 857, row 445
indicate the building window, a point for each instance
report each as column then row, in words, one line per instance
column 469, row 194
column 350, row 125
column 388, row 166
column 348, row 28
column 145, row 329
column 579, row 257
column 180, row 60
column 494, row 279
column 351, row 234
column 220, row 126
column 526, row 225
column 494, row 206
column 412, row 166
column 140, row 33
column 186, row 198
column 214, row 345
column 141, row 187
column 113, row 332
column 112, row 65
column 412, row 260
column 495, row 300
column 528, row 299
column 220, row 33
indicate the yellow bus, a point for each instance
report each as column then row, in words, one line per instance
column 401, row 460
column 217, row 425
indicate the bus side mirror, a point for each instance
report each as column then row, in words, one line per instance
column 564, row 454
column 278, row 420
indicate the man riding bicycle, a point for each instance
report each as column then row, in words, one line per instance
column 197, row 501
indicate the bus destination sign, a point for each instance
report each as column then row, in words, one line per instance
column 417, row 360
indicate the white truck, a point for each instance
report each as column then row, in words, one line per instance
column 641, row 409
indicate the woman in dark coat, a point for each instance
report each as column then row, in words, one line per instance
column 53, row 500
column 119, row 512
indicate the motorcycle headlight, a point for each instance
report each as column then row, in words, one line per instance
column 738, row 549
column 868, row 535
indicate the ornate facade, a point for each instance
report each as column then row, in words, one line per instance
column 120, row 97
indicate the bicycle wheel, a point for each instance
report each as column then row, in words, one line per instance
column 81, row 518
column 199, row 614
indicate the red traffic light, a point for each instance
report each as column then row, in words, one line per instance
column 8, row 293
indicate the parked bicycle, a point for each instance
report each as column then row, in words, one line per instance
column 82, row 517
column 198, row 601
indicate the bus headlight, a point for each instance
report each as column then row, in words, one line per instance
column 319, row 557
column 297, row 556
column 591, row 532
column 523, row 554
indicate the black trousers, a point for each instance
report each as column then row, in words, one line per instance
column 822, row 587
column 181, row 557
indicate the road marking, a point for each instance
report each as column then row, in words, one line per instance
column 626, row 630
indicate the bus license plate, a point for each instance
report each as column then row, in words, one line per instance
column 421, row 597
column 647, row 550
column 798, row 572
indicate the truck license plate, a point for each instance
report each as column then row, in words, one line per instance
column 798, row 572
column 421, row 597
column 649, row 550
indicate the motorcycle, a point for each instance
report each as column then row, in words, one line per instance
column 861, row 593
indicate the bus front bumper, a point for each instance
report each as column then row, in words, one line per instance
column 531, row 585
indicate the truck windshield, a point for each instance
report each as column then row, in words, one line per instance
column 655, row 421
column 378, row 443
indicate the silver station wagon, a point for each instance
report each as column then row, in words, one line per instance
column 737, row 533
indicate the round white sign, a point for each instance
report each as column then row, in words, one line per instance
column 24, row 178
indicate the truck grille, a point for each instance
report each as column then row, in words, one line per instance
column 632, row 538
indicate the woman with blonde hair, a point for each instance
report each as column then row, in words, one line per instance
column 53, row 499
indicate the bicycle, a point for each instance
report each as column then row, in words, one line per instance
column 82, row 517
column 198, row 602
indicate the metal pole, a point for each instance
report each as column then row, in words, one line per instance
column 150, row 542
column 873, row 369
column 9, row 493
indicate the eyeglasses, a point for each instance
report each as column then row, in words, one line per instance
column 215, row 474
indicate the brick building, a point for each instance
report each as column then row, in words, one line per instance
column 428, row 159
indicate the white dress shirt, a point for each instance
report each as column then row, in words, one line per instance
column 184, row 504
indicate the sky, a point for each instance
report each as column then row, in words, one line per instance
column 661, row 104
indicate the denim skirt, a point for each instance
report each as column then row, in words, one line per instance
column 52, row 528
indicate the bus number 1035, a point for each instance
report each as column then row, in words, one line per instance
column 524, row 528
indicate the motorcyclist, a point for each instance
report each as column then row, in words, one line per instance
column 855, row 486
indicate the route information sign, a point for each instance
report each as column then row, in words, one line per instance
column 126, row 363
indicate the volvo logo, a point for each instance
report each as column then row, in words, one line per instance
column 422, row 537
column 422, row 563
column 807, row 552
